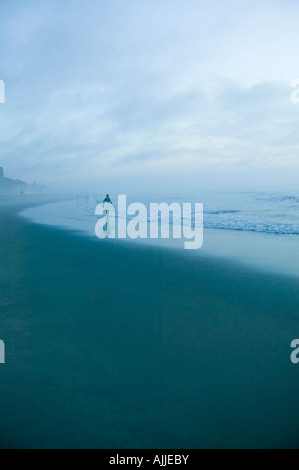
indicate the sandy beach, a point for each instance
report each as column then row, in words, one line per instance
column 124, row 346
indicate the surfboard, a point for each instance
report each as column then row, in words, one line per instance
column 107, row 206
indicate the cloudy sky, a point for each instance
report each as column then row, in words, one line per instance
column 137, row 88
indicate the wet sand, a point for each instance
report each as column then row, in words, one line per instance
column 123, row 346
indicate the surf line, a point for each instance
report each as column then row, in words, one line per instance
column 144, row 225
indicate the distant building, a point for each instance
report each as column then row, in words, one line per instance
column 10, row 186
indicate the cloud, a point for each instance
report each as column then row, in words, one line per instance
column 127, row 88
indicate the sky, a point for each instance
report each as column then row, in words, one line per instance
column 168, row 92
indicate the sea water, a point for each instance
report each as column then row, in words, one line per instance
column 256, row 228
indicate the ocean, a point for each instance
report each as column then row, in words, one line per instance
column 255, row 228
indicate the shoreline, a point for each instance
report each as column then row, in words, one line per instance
column 120, row 346
column 265, row 252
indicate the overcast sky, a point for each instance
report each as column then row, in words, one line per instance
column 134, row 88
